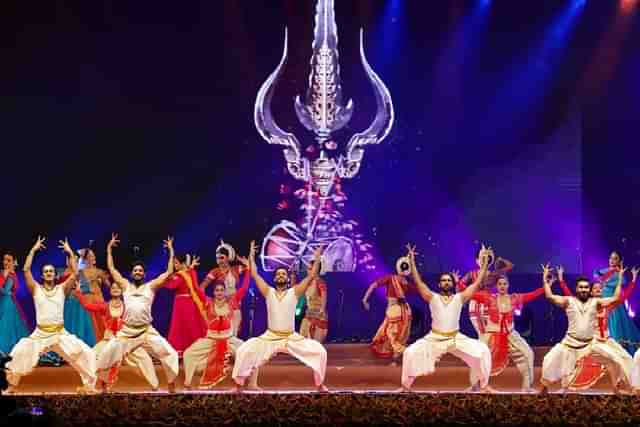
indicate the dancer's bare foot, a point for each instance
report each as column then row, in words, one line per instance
column 10, row 390
column 403, row 389
column 488, row 389
column 323, row 389
column 254, row 387
column 86, row 390
column 235, row 389
column 529, row 390
column 171, row 387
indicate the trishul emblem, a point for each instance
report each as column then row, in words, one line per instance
column 322, row 111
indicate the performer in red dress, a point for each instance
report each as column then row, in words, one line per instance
column 391, row 338
column 229, row 276
column 588, row 371
column 110, row 314
column 503, row 340
column 212, row 354
column 189, row 317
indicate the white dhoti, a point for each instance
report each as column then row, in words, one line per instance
column 52, row 338
column 635, row 371
column 128, row 340
column 138, row 358
column 560, row 363
column 420, row 358
column 195, row 358
column 257, row 351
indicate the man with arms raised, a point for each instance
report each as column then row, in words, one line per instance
column 50, row 335
column 137, row 330
column 280, row 336
column 420, row 357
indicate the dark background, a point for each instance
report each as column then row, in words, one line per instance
column 516, row 125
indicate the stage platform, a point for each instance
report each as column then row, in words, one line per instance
column 362, row 391
column 350, row 368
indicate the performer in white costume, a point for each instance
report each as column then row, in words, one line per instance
column 50, row 334
column 635, row 373
column 421, row 357
column 137, row 330
column 560, row 363
column 280, row 336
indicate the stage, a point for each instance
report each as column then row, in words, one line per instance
column 362, row 390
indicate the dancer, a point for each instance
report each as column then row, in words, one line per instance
column 50, row 333
column 391, row 338
column 111, row 315
column 229, row 275
column 189, row 317
column 478, row 312
column 561, row 361
column 91, row 281
column 137, row 330
column 280, row 336
column 13, row 325
column 503, row 340
column 315, row 324
column 77, row 320
column 420, row 357
column 621, row 326
column 588, row 370
column 212, row 354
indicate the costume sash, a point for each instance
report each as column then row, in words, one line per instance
column 195, row 296
column 217, row 364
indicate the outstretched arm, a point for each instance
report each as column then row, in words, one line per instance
column 117, row 277
column 485, row 254
column 547, row 279
column 422, row 287
column 563, row 285
column 263, row 287
column 31, row 282
column 372, row 286
column 301, row 287
column 159, row 281
column 616, row 298
column 70, row 281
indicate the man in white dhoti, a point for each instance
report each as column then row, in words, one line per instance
column 421, row 357
column 635, row 373
column 137, row 330
column 50, row 334
column 561, row 363
column 280, row 336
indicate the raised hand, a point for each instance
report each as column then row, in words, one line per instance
column 252, row 250
column 411, row 251
column 634, row 273
column 366, row 305
column 456, row 275
column 560, row 271
column 114, row 242
column 168, row 243
column 317, row 254
column 195, row 261
column 623, row 269
column 39, row 245
column 546, row 272
column 244, row 261
column 64, row 245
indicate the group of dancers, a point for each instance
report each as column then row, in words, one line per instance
column 203, row 331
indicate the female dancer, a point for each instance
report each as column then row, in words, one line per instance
column 212, row 353
column 13, row 326
column 391, row 338
column 110, row 315
column 189, row 318
column 91, row 280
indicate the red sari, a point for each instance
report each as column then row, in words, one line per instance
column 189, row 317
column 220, row 331
column 500, row 324
column 393, row 333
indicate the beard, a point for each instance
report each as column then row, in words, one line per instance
column 138, row 282
column 447, row 290
column 583, row 297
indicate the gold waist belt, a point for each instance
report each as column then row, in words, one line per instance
column 445, row 334
column 281, row 334
column 51, row 329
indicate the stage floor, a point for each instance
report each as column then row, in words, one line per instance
column 351, row 368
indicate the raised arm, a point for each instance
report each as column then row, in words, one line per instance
column 70, row 281
column 506, row 266
column 301, row 287
column 422, row 287
column 31, row 282
column 563, row 285
column 485, row 254
column 98, row 307
column 159, row 281
column 617, row 293
column 117, row 277
column 240, row 293
column 547, row 279
column 263, row 287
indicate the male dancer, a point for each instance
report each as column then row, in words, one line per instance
column 137, row 330
column 280, row 336
column 50, row 334
column 229, row 275
column 560, row 362
column 420, row 357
